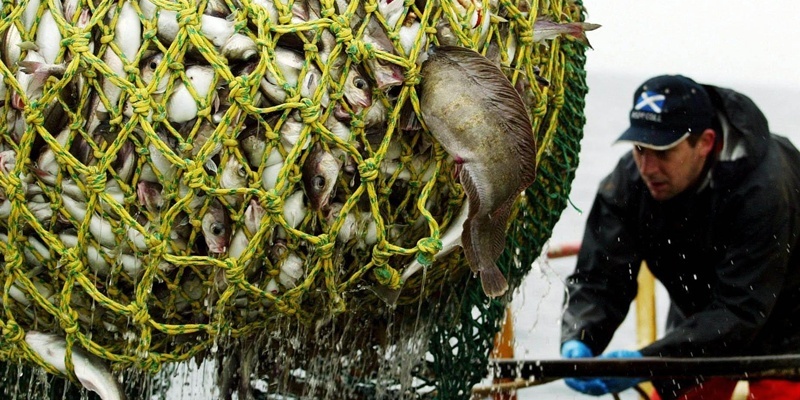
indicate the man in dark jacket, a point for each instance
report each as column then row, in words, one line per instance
column 710, row 200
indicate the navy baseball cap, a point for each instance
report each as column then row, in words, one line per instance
column 666, row 110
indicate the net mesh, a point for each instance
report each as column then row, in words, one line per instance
column 155, row 208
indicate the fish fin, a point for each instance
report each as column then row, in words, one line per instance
column 588, row 26
column 493, row 282
column 28, row 45
column 30, row 67
column 483, row 238
column 493, row 231
column 408, row 118
column 389, row 296
column 489, row 237
column 474, row 204
column 578, row 31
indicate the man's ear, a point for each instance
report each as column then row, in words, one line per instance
column 707, row 141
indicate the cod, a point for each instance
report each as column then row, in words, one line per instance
column 473, row 111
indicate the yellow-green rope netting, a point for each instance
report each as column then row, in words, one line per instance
column 111, row 169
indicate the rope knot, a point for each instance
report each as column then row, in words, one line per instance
column 107, row 36
column 368, row 170
column 234, row 271
column 540, row 110
column 140, row 315
column 340, row 27
column 428, row 248
column 78, row 41
column 357, row 122
column 358, row 51
column 189, row 18
column 309, row 111
column 379, row 255
column 412, row 77
column 238, row 91
column 96, row 179
column 194, row 177
column 12, row 332
column 131, row 69
column 149, row 32
column 272, row 203
column 324, row 247
column 69, row 322
column 310, row 48
column 74, row 267
column 387, row 276
column 141, row 103
column 34, row 116
column 525, row 36
column 558, row 100
column 285, row 19
column 13, row 189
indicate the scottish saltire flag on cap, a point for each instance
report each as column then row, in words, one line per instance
column 650, row 101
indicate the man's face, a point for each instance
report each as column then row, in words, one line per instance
column 668, row 173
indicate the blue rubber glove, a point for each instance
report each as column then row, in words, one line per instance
column 575, row 349
column 602, row 386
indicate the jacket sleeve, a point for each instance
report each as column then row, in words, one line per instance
column 599, row 292
column 755, row 236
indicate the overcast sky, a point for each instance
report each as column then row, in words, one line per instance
column 715, row 41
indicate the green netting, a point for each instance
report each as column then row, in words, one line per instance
column 113, row 170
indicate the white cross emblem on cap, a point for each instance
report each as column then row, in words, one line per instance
column 650, row 102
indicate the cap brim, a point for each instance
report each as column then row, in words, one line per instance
column 652, row 139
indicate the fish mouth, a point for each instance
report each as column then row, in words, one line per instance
column 320, row 202
column 362, row 102
column 16, row 102
column 386, row 81
column 217, row 248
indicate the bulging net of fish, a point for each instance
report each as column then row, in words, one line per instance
column 177, row 176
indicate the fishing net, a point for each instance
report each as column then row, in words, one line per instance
column 157, row 208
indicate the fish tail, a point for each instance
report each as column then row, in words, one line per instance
column 389, row 296
column 578, row 31
column 30, row 67
column 493, row 282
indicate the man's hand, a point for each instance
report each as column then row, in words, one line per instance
column 575, row 349
column 602, row 386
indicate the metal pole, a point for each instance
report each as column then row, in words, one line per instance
column 786, row 366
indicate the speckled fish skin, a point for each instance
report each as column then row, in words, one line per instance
column 482, row 123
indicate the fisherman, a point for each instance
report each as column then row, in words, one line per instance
column 710, row 200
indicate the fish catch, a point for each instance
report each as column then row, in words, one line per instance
column 90, row 370
column 483, row 125
column 213, row 161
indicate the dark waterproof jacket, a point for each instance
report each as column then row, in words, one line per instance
column 727, row 254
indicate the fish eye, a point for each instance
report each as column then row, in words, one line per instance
column 318, row 182
column 216, row 229
column 153, row 65
column 360, row 83
column 242, row 171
